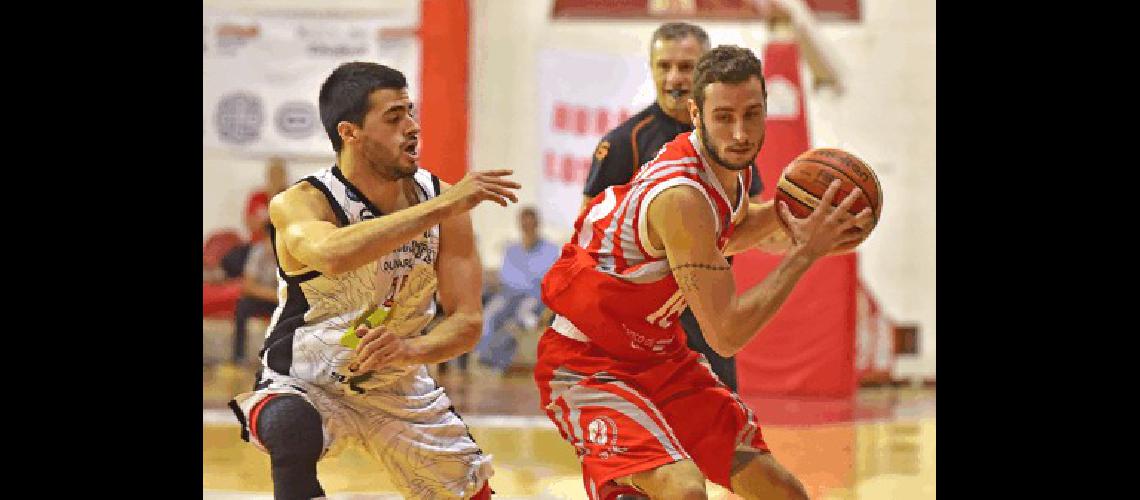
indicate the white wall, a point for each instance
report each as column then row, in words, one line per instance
column 227, row 181
column 886, row 114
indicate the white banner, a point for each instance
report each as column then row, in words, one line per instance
column 582, row 96
column 262, row 75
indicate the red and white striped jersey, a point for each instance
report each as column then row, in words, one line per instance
column 610, row 282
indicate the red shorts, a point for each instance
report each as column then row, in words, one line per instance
column 626, row 417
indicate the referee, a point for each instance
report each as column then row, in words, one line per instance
column 673, row 53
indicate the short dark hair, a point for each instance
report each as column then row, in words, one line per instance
column 728, row 64
column 677, row 31
column 344, row 95
column 528, row 210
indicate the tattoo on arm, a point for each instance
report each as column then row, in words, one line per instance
column 702, row 266
column 688, row 281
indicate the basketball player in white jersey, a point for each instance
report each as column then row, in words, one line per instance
column 346, row 239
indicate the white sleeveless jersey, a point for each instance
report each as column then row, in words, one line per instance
column 315, row 310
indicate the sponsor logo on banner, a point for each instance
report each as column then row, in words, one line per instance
column 262, row 72
column 333, row 41
column 587, row 122
column 238, row 118
column 575, row 110
column 783, row 99
column 232, row 36
column 296, row 119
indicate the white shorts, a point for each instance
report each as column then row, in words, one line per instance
column 409, row 427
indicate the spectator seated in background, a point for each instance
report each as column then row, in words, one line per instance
column 517, row 305
column 259, row 292
column 257, row 206
column 225, row 253
column 256, row 216
column 220, row 291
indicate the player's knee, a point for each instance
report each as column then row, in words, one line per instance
column 682, row 491
column 787, row 483
column 757, row 475
column 662, row 484
column 290, row 429
column 611, row 490
column 689, row 492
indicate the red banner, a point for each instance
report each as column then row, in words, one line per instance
column 835, row 10
column 808, row 348
column 682, row 9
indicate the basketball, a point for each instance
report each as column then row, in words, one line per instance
column 805, row 179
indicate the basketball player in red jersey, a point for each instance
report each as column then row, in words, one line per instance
column 645, row 414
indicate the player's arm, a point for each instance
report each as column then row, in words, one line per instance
column 459, row 285
column 681, row 218
column 760, row 229
column 612, row 165
column 460, row 278
column 301, row 215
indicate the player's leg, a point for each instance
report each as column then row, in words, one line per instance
column 414, row 431
column 723, row 436
column 289, row 428
column 620, row 437
column 611, row 490
column 757, row 475
column 290, row 421
column 681, row 480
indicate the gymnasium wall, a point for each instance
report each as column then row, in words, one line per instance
column 887, row 114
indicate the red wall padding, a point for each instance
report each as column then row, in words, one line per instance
column 444, row 30
column 808, row 348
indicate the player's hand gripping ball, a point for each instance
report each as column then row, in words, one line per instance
column 807, row 177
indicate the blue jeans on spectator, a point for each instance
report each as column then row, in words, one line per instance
column 498, row 344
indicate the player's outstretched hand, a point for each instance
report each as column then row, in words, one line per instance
column 476, row 187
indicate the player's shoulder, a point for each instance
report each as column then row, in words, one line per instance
column 429, row 181
column 299, row 192
column 681, row 203
column 302, row 199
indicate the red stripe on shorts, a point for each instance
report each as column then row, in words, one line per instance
column 253, row 415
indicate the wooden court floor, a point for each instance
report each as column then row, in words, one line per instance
column 881, row 445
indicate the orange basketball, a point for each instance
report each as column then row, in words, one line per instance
column 806, row 178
